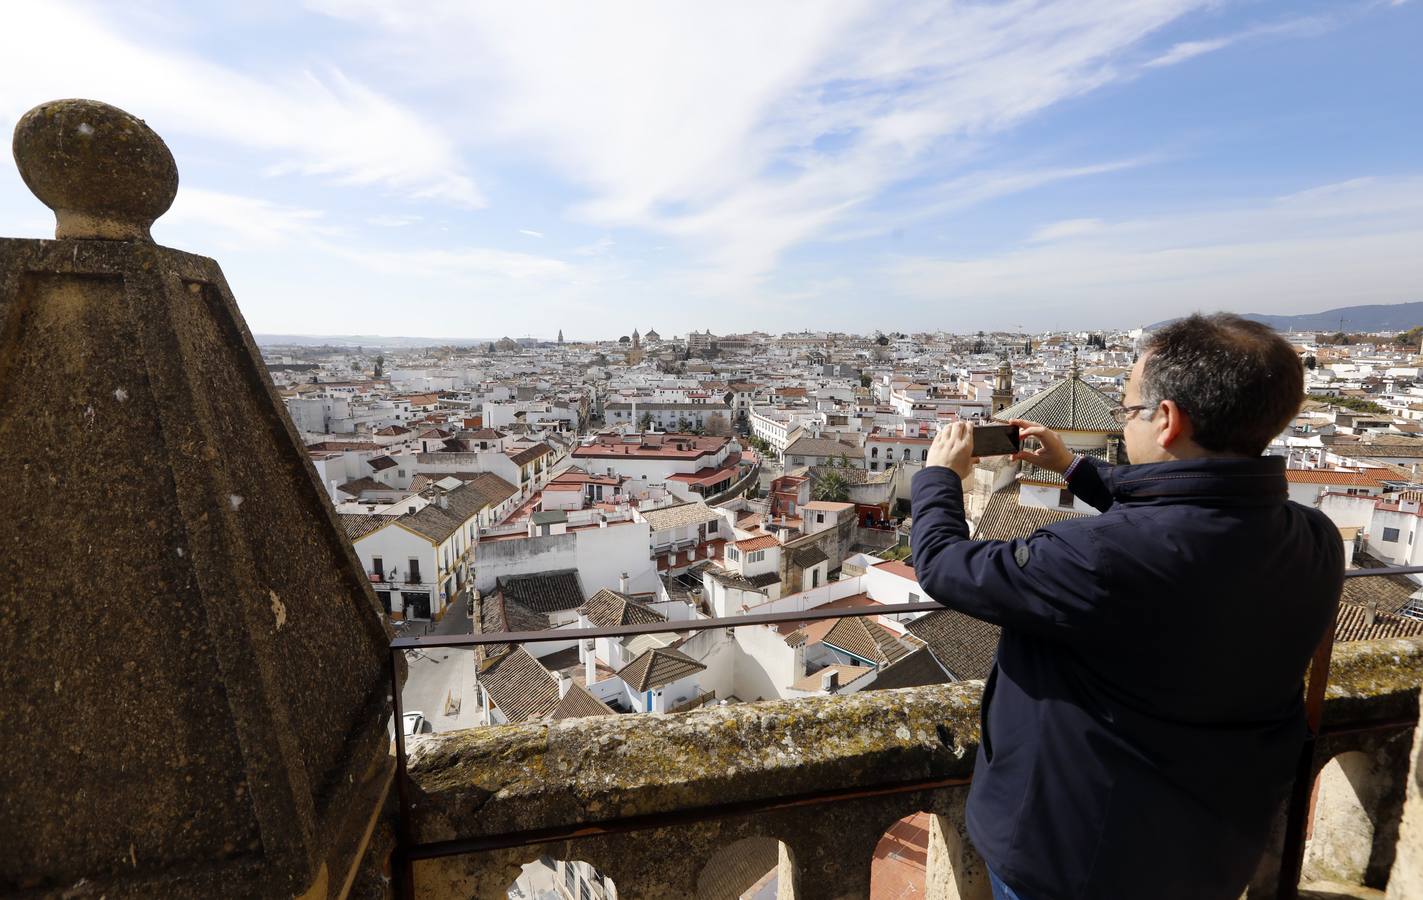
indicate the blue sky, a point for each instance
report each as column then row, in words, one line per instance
column 475, row 170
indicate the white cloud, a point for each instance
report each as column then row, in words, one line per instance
column 237, row 220
column 1305, row 26
column 1353, row 242
column 392, row 221
column 531, row 233
column 1067, row 228
column 1185, row 50
column 315, row 123
column 746, row 128
column 599, row 247
column 478, row 262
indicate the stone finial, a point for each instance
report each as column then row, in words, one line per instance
column 106, row 174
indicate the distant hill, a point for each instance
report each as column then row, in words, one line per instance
column 1374, row 317
column 363, row 340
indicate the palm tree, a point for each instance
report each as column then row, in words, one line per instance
column 832, row 486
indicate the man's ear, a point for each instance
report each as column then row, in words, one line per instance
column 1171, row 424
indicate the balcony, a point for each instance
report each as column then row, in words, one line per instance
column 657, row 803
column 244, row 649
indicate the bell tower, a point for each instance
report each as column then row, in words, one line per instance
column 1003, row 386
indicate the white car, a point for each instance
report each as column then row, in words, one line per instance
column 414, row 723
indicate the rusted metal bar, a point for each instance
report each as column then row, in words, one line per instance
column 402, row 865
column 565, row 634
column 1297, row 813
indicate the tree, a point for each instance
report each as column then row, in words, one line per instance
column 624, row 340
column 864, row 379
column 718, row 425
column 1310, row 362
column 841, row 462
column 832, row 487
column 684, row 424
column 601, row 360
column 882, row 341
column 1411, row 337
column 380, row 366
column 645, row 421
column 1351, row 403
column 1028, row 347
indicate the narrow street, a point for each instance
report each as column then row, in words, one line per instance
column 441, row 680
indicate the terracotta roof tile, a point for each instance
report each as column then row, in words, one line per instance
column 519, row 686
column 657, row 667
column 607, row 609
column 578, row 703
column 543, row 592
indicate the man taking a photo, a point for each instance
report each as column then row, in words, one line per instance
column 1144, row 714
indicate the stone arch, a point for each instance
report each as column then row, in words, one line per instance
column 1348, row 796
column 576, row 877
column 739, row 867
column 901, row 858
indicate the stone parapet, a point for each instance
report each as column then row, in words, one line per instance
column 700, row 782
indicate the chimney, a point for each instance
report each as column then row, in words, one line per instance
column 1371, row 612
column 590, row 663
column 623, row 583
column 829, row 680
column 563, row 683
column 444, row 501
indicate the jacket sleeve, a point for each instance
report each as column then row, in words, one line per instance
column 1051, row 583
column 1091, row 482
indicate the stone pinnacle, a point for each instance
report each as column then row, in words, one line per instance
column 106, row 174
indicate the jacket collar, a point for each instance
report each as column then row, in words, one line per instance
column 1245, row 482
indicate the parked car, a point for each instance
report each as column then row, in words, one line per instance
column 414, row 723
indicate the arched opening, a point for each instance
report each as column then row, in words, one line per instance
column 748, row 869
column 565, row 879
column 1347, row 797
column 901, row 859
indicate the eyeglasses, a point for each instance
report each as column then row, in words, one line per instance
column 1123, row 414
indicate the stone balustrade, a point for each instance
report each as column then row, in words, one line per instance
column 698, row 784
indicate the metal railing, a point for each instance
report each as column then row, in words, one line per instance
column 407, row 851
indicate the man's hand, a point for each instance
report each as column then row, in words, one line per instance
column 1051, row 454
column 953, row 449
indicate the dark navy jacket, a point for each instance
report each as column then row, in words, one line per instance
column 1142, row 720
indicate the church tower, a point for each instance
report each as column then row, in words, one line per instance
column 1003, row 386
column 560, row 336
column 636, row 338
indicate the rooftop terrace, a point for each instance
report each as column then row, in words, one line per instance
column 200, row 681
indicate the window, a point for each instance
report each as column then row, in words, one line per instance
column 874, row 452
column 819, row 518
column 583, row 893
column 815, row 578
column 906, row 452
column 378, row 566
column 756, row 556
column 413, row 567
column 732, row 553
column 913, row 597
column 874, row 467
column 569, row 876
column 1064, row 497
column 400, row 472
column 1390, row 535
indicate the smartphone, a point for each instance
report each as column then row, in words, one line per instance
column 995, row 440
